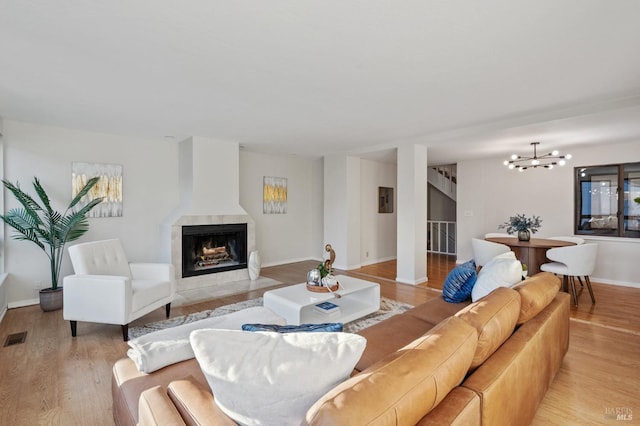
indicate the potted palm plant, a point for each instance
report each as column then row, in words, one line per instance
column 48, row 229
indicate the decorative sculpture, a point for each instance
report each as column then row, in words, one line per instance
column 328, row 263
column 321, row 279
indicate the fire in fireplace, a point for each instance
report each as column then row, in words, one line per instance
column 207, row 249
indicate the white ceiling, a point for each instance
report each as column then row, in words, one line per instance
column 467, row 78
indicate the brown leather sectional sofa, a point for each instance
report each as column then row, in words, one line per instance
column 484, row 363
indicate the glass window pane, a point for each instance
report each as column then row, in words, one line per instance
column 597, row 203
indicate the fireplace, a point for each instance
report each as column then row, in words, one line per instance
column 208, row 249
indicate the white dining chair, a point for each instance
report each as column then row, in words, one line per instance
column 575, row 240
column 484, row 251
column 498, row 235
column 573, row 262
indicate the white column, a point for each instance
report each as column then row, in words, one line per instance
column 412, row 214
column 342, row 210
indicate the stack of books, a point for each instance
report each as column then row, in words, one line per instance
column 327, row 308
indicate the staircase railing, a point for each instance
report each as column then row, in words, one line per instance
column 441, row 237
column 444, row 178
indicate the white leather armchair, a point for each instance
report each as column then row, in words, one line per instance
column 106, row 288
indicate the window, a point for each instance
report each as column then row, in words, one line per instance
column 607, row 200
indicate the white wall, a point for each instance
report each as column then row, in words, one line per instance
column 296, row 235
column 492, row 193
column 441, row 207
column 151, row 198
column 377, row 230
column 150, row 191
column 342, row 209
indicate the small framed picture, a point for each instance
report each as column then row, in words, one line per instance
column 385, row 199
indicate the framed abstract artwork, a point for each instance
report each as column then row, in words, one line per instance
column 109, row 187
column 274, row 195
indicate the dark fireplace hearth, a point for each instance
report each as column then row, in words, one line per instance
column 208, row 249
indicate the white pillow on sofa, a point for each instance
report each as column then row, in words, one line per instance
column 266, row 378
column 503, row 270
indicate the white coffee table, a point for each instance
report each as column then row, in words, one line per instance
column 295, row 303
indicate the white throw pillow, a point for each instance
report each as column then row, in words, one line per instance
column 266, row 378
column 503, row 270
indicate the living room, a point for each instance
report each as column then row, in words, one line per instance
column 597, row 127
column 152, row 198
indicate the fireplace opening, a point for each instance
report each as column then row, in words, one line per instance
column 208, row 249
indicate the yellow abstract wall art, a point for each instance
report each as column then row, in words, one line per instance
column 274, row 195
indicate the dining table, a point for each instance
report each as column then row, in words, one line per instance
column 532, row 252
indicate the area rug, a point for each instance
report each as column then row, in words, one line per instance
column 388, row 308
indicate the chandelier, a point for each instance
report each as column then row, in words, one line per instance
column 547, row 160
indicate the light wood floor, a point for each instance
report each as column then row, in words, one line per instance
column 52, row 379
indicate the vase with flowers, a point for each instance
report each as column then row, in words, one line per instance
column 523, row 225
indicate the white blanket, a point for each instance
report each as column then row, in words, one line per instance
column 158, row 349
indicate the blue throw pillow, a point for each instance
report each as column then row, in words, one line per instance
column 329, row 326
column 459, row 283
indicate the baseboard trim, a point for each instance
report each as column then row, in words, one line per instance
column 23, row 303
column 373, row 262
column 421, row 280
column 285, row 262
column 614, row 282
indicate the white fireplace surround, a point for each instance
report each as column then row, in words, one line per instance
column 205, row 204
column 215, row 280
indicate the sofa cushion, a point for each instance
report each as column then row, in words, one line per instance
column 196, row 404
column 535, row 294
column 459, row 282
column 494, row 317
column 128, row 383
column 433, row 311
column 388, row 336
column 461, row 407
column 503, row 270
column 155, row 408
column 273, row 378
column 404, row 386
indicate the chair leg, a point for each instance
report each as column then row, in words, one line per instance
column 74, row 328
column 588, row 281
column 574, row 295
column 168, row 309
column 125, row 332
column 580, row 280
